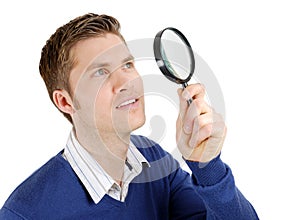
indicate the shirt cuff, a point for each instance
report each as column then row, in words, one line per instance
column 207, row 174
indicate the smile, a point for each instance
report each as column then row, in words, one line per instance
column 129, row 103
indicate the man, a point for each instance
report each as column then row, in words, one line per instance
column 104, row 172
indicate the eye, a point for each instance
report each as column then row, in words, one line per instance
column 101, row 72
column 129, row 65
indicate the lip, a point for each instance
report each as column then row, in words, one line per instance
column 129, row 105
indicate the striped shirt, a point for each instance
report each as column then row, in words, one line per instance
column 94, row 178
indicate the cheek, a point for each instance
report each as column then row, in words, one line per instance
column 93, row 105
column 139, row 84
column 103, row 104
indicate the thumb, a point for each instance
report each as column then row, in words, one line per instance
column 183, row 105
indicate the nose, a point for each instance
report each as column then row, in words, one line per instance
column 123, row 80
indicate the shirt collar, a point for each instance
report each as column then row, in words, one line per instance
column 96, row 181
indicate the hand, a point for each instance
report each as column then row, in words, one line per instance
column 200, row 131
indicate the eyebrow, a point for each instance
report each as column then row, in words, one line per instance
column 129, row 58
column 97, row 64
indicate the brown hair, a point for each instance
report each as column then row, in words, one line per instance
column 56, row 59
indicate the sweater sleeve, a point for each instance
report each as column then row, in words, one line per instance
column 214, row 183
column 208, row 194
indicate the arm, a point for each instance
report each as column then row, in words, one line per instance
column 200, row 133
column 210, row 193
column 215, row 184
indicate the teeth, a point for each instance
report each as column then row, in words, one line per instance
column 127, row 103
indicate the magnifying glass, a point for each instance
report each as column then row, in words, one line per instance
column 174, row 56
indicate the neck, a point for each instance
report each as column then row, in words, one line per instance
column 108, row 149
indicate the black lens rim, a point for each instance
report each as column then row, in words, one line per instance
column 160, row 60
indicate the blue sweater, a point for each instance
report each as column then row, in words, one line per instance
column 162, row 191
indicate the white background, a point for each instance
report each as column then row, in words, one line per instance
column 253, row 48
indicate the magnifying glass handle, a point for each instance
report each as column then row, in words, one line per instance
column 189, row 101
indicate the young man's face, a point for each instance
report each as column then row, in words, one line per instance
column 108, row 94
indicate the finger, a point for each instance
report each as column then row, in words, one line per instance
column 183, row 105
column 194, row 91
column 204, row 119
column 199, row 135
column 197, row 107
column 178, row 128
column 213, row 145
column 203, row 130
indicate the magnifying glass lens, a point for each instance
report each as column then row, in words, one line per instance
column 175, row 54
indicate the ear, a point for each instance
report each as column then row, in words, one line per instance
column 63, row 101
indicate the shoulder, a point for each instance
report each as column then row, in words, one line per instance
column 47, row 174
column 40, row 186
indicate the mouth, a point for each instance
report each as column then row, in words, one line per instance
column 129, row 103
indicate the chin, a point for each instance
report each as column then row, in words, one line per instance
column 137, row 122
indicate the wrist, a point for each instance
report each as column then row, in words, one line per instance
column 207, row 174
